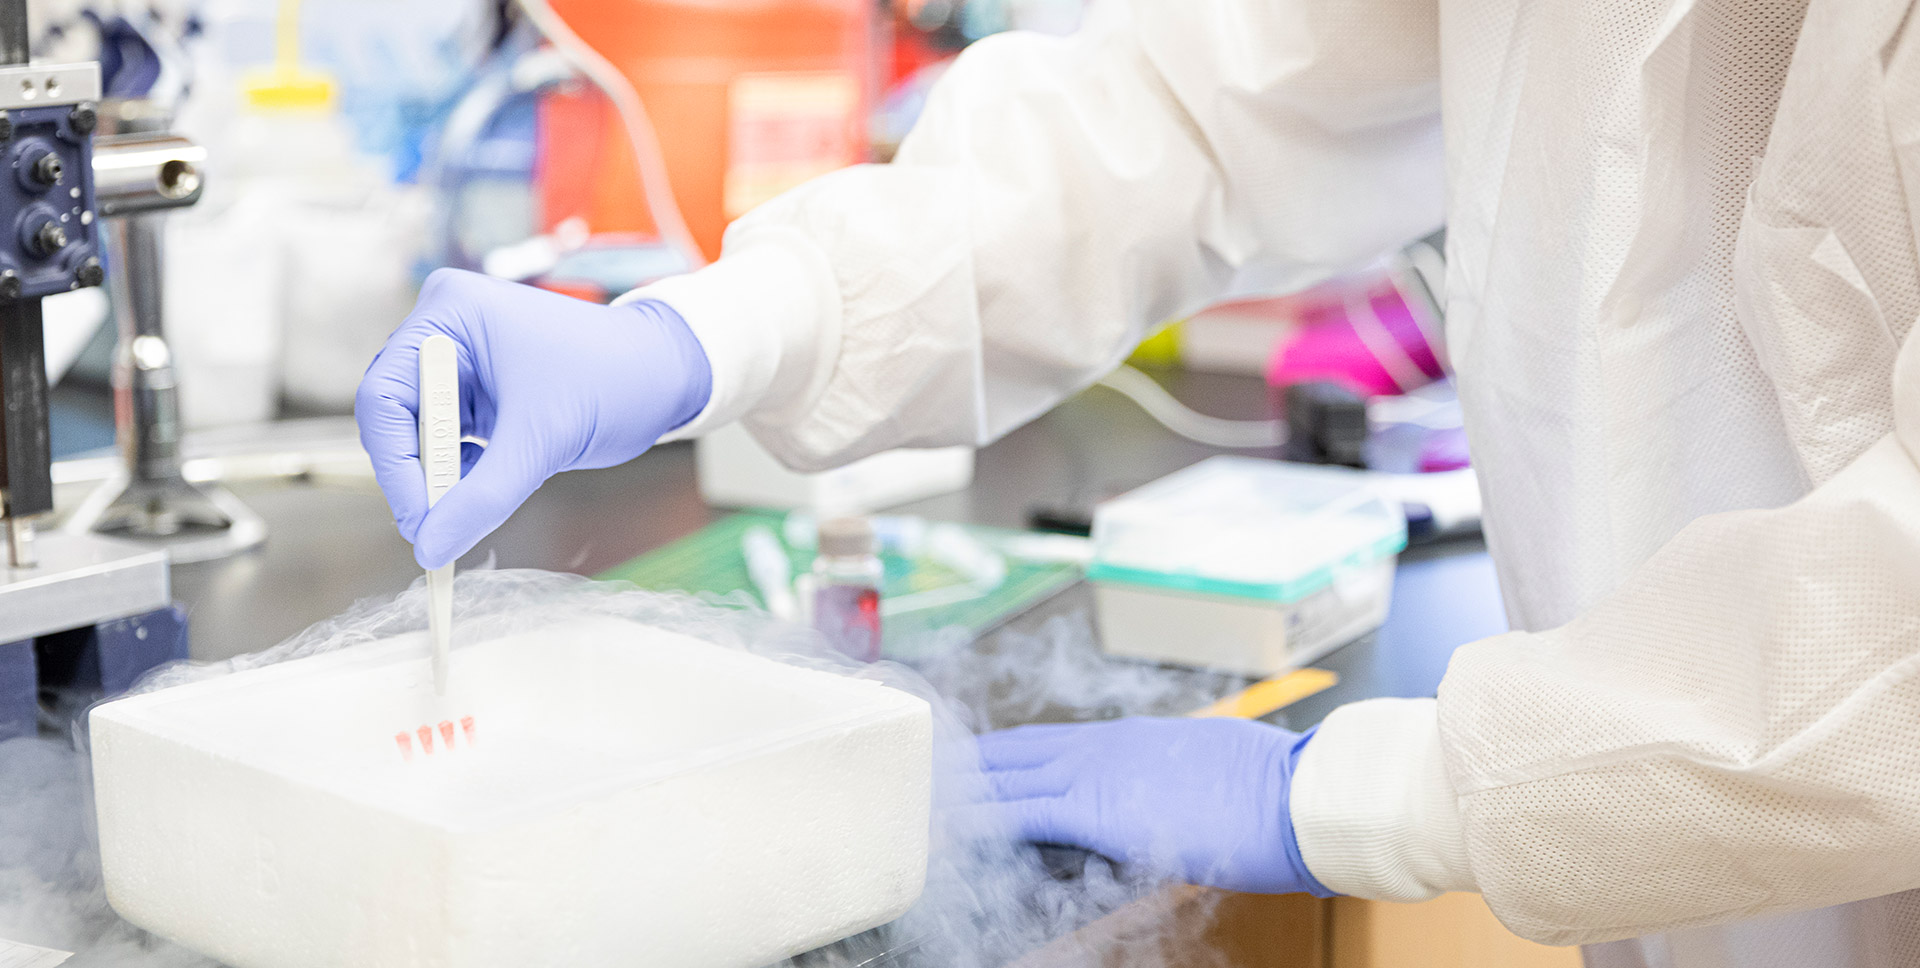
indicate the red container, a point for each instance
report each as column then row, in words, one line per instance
column 749, row 98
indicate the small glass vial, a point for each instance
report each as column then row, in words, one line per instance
column 846, row 581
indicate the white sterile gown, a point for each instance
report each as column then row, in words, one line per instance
column 1682, row 272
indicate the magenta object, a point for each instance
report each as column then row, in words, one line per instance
column 1366, row 339
column 1444, row 450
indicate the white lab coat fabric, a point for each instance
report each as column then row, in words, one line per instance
column 1682, row 267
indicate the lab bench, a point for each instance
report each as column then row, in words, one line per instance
column 332, row 542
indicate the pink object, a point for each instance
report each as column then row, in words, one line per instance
column 1365, row 338
column 1445, row 450
column 446, row 730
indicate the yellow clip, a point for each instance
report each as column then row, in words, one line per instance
column 288, row 90
column 287, row 86
column 1160, row 349
column 1267, row 695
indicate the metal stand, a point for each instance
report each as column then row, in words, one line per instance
column 150, row 501
column 26, row 456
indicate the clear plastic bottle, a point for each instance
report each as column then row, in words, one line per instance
column 846, row 581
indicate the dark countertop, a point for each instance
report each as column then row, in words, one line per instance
column 332, row 542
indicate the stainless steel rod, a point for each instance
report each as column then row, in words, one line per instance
column 135, row 173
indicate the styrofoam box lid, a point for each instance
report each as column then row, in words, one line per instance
column 1245, row 527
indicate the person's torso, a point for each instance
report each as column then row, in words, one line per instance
column 1681, row 262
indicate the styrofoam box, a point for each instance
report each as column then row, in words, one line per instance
column 631, row 797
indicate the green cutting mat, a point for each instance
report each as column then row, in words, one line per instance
column 710, row 560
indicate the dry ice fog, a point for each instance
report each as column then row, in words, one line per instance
column 988, row 899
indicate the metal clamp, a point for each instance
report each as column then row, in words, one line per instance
column 139, row 173
column 135, row 173
column 49, row 85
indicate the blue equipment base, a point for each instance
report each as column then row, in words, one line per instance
column 82, row 665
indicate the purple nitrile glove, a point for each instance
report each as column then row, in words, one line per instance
column 551, row 382
column 1202, row 799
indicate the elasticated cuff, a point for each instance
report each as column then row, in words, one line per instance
column 767, row 313
column 1373, row 809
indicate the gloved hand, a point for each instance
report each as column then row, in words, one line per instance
column 551, row 382
column 1202, row 799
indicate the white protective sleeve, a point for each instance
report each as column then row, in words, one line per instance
column 1734, row 732
column 1058, row 199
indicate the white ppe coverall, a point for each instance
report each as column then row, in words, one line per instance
column 1682, row 270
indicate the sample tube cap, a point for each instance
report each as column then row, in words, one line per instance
column 846, row 536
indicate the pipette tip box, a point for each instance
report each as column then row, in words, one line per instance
column 632, row 796
column 1245, row 565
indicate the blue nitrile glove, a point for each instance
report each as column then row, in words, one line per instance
column 551, row 382
column 1202, row 799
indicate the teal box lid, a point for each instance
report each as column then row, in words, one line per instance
column 1246, row 528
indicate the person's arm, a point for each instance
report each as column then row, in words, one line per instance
column 1734, row 732
column 1059, row 198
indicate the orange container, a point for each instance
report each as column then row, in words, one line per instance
column 749, row 98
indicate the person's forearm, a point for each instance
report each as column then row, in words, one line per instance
column 768, row 315
column 1729, row 735
column 1059, row 199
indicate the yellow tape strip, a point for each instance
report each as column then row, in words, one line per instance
column 1268, row 695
